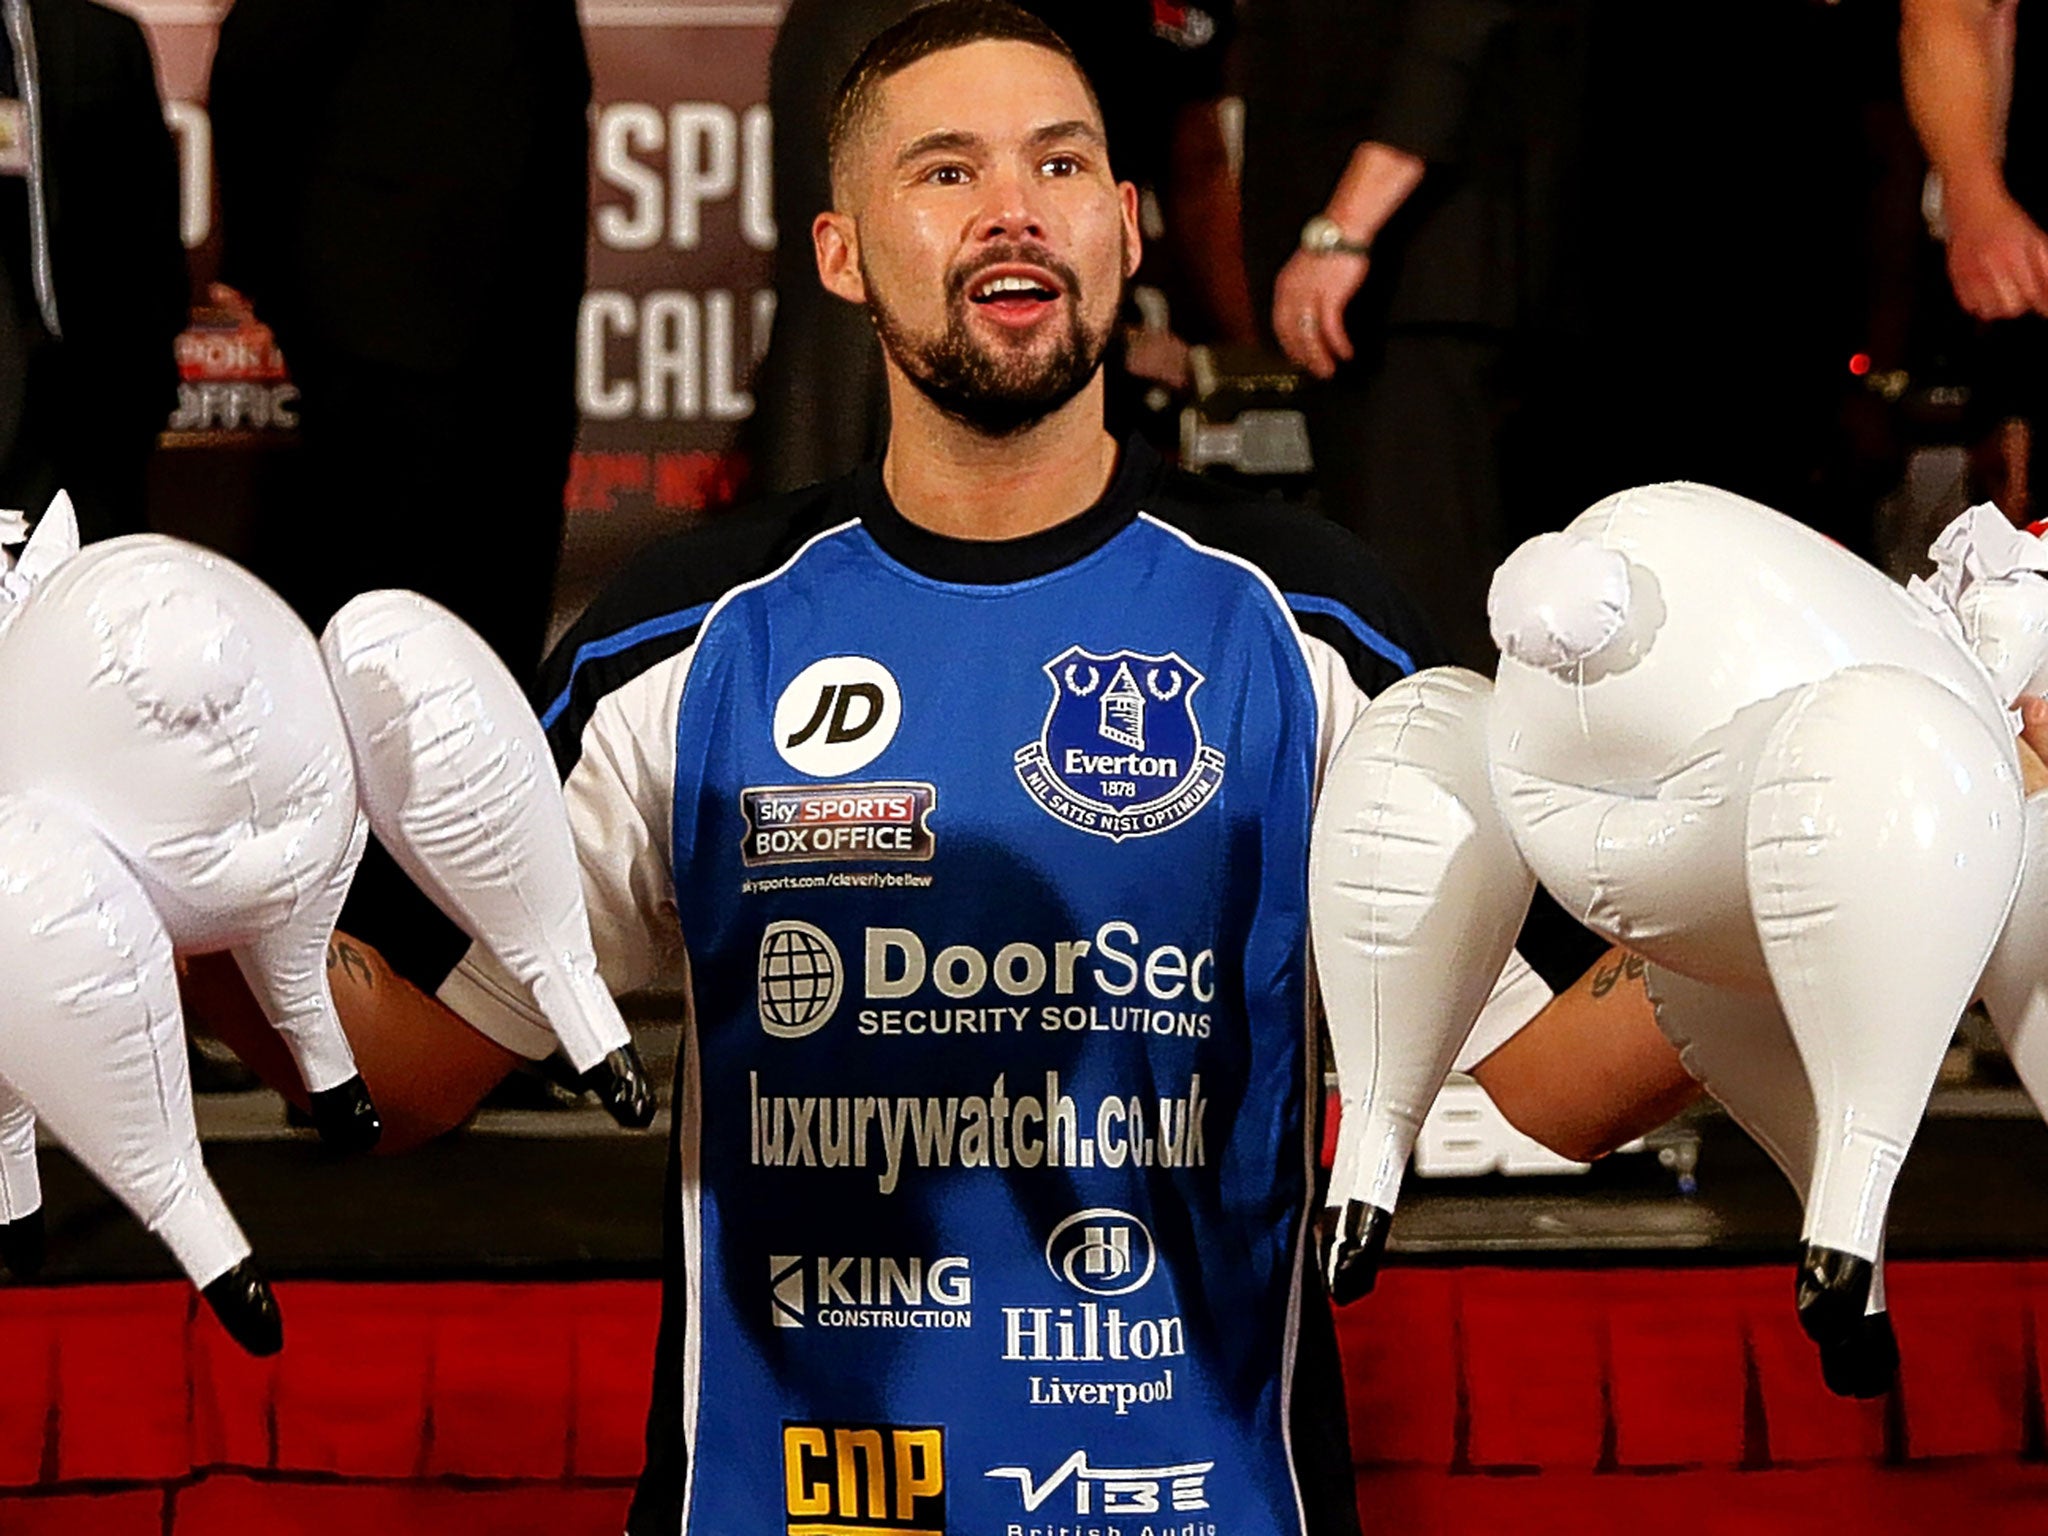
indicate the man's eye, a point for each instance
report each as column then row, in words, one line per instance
column 947, row 175
column 1061, row 165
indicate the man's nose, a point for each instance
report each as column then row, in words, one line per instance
column 1010, row 211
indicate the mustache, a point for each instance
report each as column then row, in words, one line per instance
column 1021, row 253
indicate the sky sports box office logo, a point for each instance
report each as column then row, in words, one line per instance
column 807, row 823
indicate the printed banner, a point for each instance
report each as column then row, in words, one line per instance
column 681, row 239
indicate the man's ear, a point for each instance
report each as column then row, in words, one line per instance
column 835, row 238
column 1134, row 242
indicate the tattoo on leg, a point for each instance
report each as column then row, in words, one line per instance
column 352, row 961
column 1607, row 977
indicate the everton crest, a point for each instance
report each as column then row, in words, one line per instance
column 1121, row 752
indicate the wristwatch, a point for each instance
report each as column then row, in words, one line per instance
column 1324, row 236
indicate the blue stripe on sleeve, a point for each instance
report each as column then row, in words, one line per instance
column 611, row 645
column 1368, row 637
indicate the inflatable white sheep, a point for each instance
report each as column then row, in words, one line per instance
column 183, row 769
column 1792, row 785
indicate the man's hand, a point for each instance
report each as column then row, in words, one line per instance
column 1312, row 291
column 1309, row 300
column 1997, row 259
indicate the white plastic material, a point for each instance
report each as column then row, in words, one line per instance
column 21, row 1189
column 1884, row 845
column 183, row 711
column 2015, row 985
column 90, row 1032
column 1558, row 601
column 176, row 773
column 1739, row 1048
column 1722, row 741
column 459, row 786
column 1416, row 893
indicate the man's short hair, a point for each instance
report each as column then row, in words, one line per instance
column 935, row 28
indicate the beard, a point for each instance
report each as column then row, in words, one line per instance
column 997, row 390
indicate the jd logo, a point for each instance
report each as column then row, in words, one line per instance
column 837, row 715
column 842, row 701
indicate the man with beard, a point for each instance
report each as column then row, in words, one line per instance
column 969, row 797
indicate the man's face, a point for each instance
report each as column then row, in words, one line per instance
column 986, row 234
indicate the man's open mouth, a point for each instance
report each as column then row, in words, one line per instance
column 1014, row 295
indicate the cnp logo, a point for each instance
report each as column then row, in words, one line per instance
column 837, row 715
column 1101, row 1251
column 850, row 1478
column 800, row 979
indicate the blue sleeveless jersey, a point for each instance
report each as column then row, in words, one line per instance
column 994, row 1125
column 1000, row 1127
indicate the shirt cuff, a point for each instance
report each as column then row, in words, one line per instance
column 1518, row 996
column 495, row 1006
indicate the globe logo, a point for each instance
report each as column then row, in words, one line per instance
column 800, row 979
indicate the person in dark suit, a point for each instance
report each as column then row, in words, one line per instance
column 93, row 286
column 1391, row 136
column 404, row 193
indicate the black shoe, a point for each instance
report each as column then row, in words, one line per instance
column 22, row 1245
column 1833, row 1293
column 242, row 1301
column 1866, row 1363
column 1353, row 1241
column 621, row 1085
column 345, row 1117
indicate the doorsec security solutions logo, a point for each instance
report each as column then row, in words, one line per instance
column 800, row 977
column 1121, row 752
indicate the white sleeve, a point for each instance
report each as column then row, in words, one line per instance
column 1339, row 700
column 1517, row 997
column 620, row 797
